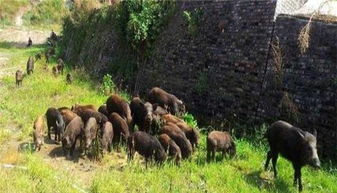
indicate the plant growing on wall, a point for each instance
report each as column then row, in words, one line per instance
column 201, row 85
column 278, row 61
column 192, row 19
column 288, row 109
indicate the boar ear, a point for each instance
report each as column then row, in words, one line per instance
column 301, row 134
column 314, row 132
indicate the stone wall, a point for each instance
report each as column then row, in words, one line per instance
column 217, row 72
column 226, row 71
column 309, row 79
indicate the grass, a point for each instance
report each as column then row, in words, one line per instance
column 9, row 8
column 20, row 106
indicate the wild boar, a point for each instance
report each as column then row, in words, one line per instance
column 102, row 109
column 107, row 136
column 146, row 145
column 69, row 78
column 55, row 122
column 171, row 147
column 30, row 65
column 73, row 132
column 78, row 107
column 141, row 114
column 60, row 65
column 294, row 144
column 120, row 128
column 90, row 132
column 19, row 77
column 220, row 141
column 158, row 95
column 38, row 132
column 192, row 134
column 116, row 104
column 174, row 132
column 67, row 114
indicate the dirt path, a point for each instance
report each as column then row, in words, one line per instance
column 20, row 35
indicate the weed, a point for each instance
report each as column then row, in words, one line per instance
column 108, row 86
column 193, row 20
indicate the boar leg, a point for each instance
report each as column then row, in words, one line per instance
column 267, row 161
column 274, row 160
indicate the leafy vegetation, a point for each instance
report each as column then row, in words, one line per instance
column 9, row 9
column 47, row 12
column 192, row 19
column 140, row 22
column 108, row 86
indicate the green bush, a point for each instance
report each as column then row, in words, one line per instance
column 190, row 120
column 140, row 22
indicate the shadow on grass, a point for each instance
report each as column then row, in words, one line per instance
column 255, row 179
column 58, row 152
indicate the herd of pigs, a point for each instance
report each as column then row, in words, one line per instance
column 160, row 132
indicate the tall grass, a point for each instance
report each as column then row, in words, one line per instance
column 47, row 12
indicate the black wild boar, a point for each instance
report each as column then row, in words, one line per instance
column 146, row 145
column 158, row 95
column 19, row 77
column 174, row 132
column 38, row 132
column 30, row 42
column 90, row 132
column 120, row 128
column 141, row 114
column 107, row 136
column 30, row 65
column 115, row 104
column 102, row 109
column 55, row 121
column 171, row 147
column 69, row 78
column 73, row 132
column 220, row 141
column 296, row 145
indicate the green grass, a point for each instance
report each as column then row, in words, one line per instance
column 20, row 106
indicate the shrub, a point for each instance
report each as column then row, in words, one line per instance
column 190, row 120
column 140, row 22
column 47, row 12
